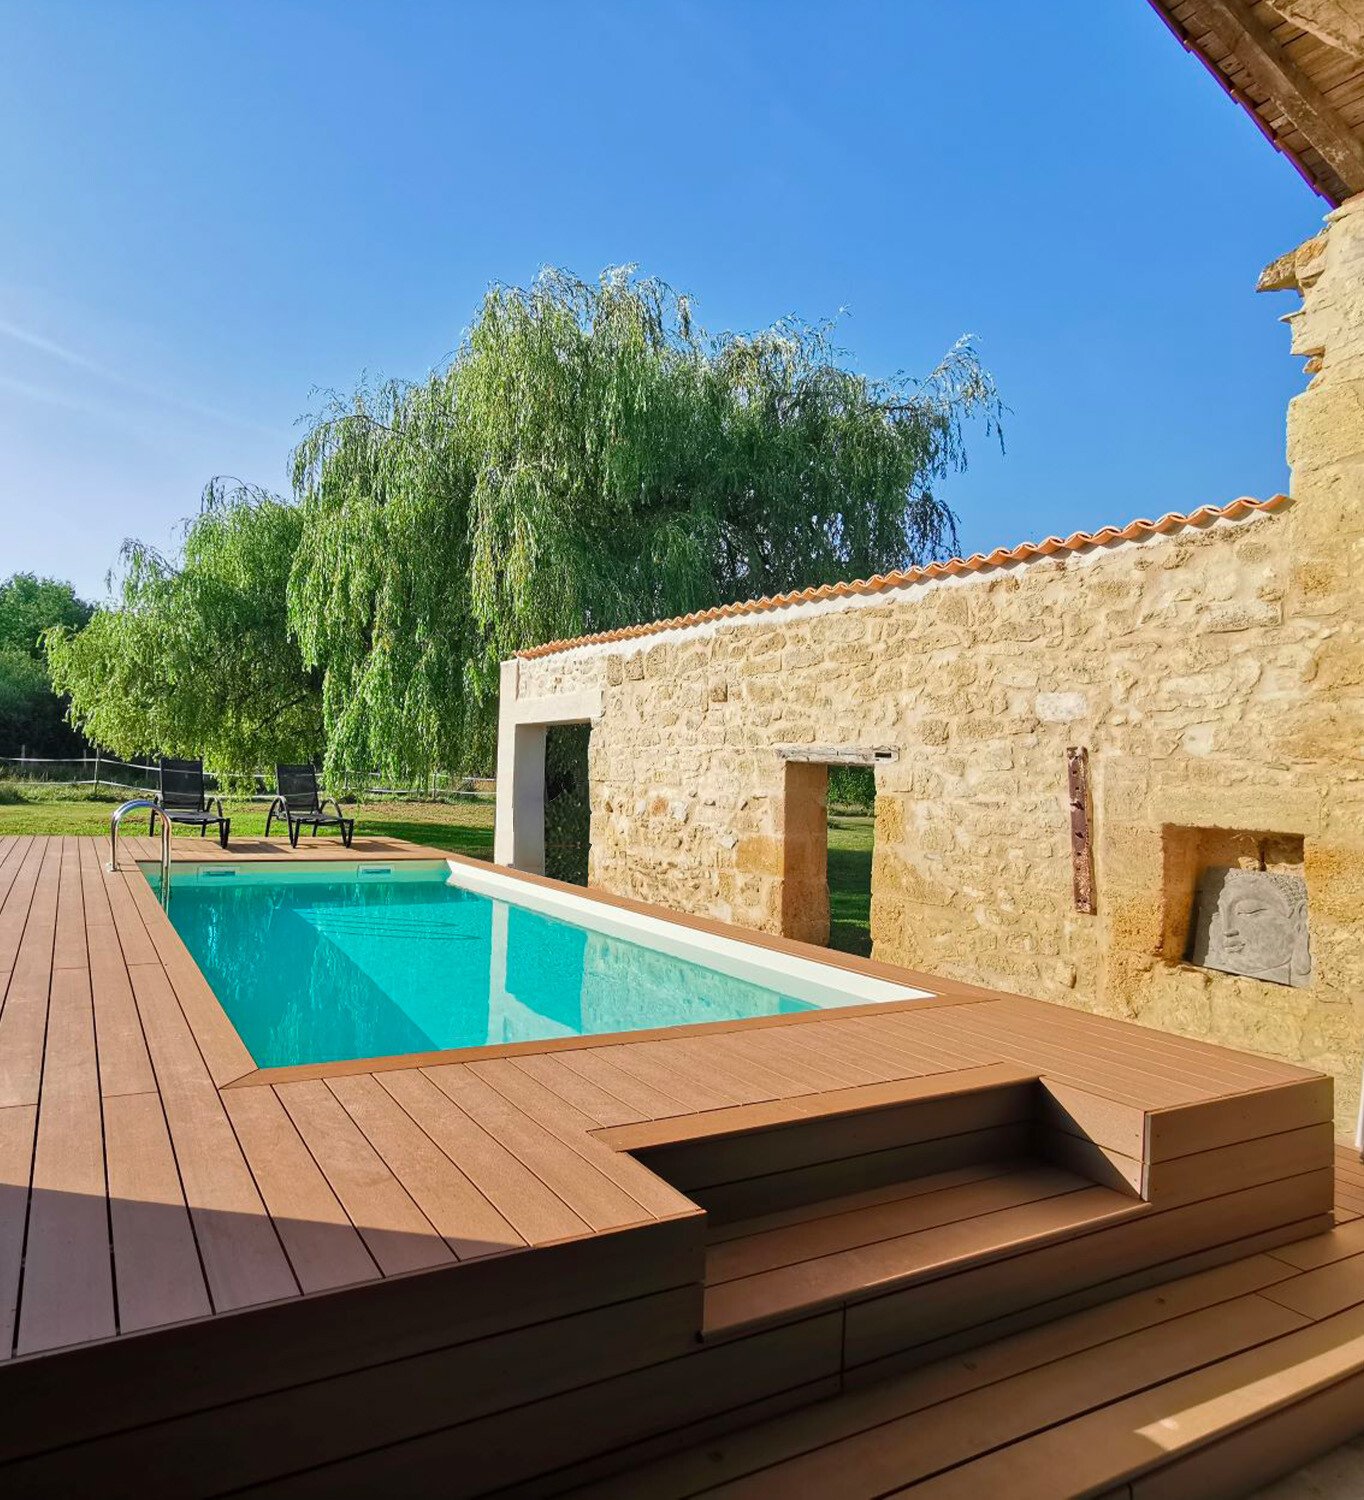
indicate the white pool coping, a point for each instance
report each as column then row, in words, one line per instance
column 821, row 984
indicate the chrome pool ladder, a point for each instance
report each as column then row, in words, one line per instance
column 143, row 804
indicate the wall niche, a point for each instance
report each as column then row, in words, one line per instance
column 1235, row 901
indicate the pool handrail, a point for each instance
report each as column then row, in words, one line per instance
column 144, row 804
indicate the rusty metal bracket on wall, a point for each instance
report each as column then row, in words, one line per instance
column 1081, row 848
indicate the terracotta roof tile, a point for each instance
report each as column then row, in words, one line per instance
column 1134, row 531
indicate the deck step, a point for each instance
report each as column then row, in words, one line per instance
column 741, row 1163
column 791, row 1262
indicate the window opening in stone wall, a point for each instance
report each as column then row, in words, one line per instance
column 568, row 803
column 1236, row 902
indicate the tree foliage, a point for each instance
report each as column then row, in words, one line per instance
column 591, row 457
column 32, row 716
column 197, row 658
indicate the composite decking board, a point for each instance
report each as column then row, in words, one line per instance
column 324, row 1247
column 68, row 947
column 846, row 1104
column 1322, row 1249
column 904, row 1450
column 147, row 1380
column 1264, row 1159
column 124, row 1065
column 911, row 1138
column 869, row 1053
column 828, row 1054
column 207, row 1452
column 158, row 1276
column 839, row 1224
column 537, row 1214
column 23, row 1017
column 67, row 1294
column 647, row 1099
column 990, row 1026
column 805, row 1059
column 1329, row 1289
column 243, row 1258
column 133, row 937
column 1208, row 1084
column 1203, row 1076
column 95, row 880
column 397, row 1233
column 960, row 1298
column 866, row 1273
column 470, row 1225
column 1067, row 1059
column 1206, row 1061
column 770, row 1192
column 574, row 1129
column 574, row 1089
column 223, row 1051
column 1241, row 1117
column 1002, row 1044
column 1349, row 1166
column 1148, row 1430
column 1249, row 1458
column 866, row 1033
column 18, row 1123
column 593, row 1196
column 776, row 1076
column 869, row 1408
column 719, row 1233
column 833, row 1049
column 674, row 1069
column 699, row 1060
column 510, row 1446
column 1068, row 1065
column 17, row 901
column 1088, row 1114
column 1157, row 1278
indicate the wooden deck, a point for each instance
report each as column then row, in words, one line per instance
column 535, row 1267
column 1208, row 1385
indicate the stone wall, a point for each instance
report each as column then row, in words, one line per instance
column 1215, row 674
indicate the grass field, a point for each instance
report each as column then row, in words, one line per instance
column 462, row 827
column 850, row 841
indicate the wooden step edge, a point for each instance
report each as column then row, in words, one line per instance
column 747, row 1119
column 987, row 1255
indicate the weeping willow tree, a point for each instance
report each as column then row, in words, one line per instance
column 196, row 657
column 590, row 458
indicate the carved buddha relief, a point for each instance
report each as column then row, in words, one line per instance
column 1252, row 922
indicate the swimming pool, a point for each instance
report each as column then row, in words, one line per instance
column 320, row 962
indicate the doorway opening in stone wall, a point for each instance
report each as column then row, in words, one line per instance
column 827, row 844
column 568, row 802
column 851, row 807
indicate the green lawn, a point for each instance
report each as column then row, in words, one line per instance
column 463, row 827
column 850, row 840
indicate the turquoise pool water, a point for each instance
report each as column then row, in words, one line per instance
column 316, row 964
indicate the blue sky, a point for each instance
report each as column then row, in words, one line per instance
column 211, row 210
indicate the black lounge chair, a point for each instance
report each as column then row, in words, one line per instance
column 183, row 798
column 301, row 801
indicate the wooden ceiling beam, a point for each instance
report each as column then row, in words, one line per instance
column 1288, row 86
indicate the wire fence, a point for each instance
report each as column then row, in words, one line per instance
column 99, row 771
